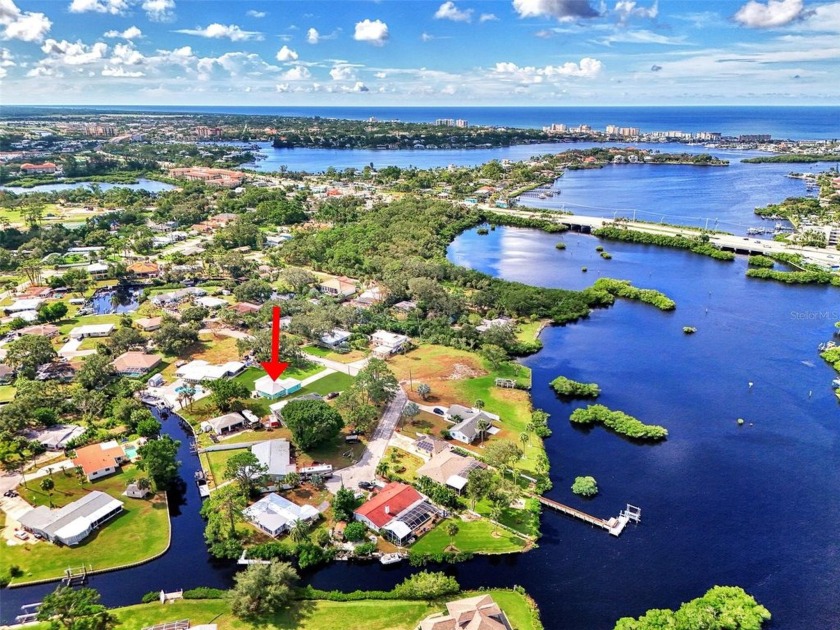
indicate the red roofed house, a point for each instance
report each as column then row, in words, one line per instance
column 34, row 169
column 100, row 460
column 397, row 511
column 245, row 307
column 145, row 269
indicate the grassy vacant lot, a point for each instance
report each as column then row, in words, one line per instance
column 347, row 357
column 397, row 459
column 473, row 536
column 457, row 376
column 529, row 330
column 315, row 615
column 141, row 531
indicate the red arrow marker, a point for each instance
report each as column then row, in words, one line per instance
column 275, row 367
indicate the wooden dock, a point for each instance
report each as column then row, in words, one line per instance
column 614, row 525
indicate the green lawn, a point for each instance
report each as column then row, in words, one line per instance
column 347, row 357
column 218, row 460
column 396, row 458
column 473, row 536
column 524, row 521
column 335, row 382
column 528, row 331
column 69, row 324
column 7, row 393
column 141, row 531
column 249, row 376
column 315, row 615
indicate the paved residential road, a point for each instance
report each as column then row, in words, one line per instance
column 365, row 468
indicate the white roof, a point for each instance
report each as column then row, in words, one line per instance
column 200, row 370
column 72, row 519
column 399, row 528
column 27, row 316
column 211, row 302
column 28, row 304
column 224, row 422
column 275, row 456
column 385, row 338
column 92, row 329
column 58, row 435
column 457, row 482
column 269, row 386
column 274, row 512
column 336, row 335
column 96, row 268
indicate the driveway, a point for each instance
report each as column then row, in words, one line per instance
column 365, row 468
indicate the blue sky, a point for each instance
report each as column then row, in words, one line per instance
column 405, row 52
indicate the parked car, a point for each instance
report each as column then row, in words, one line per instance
column 366, row 485
column 332, row 395
column 22, row 535
column 438, row 411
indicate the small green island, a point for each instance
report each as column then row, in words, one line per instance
column 619, row 422
column 585, row 486
column 575, row 389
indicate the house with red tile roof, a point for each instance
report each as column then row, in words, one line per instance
column 397, row 511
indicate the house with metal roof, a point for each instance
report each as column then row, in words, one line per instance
column 272, row 389
column 72, row 523
column 276, row 456
column 223, row 424
column 275, row 515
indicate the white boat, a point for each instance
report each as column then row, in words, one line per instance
column 391, row 558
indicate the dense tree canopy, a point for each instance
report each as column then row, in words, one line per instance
column 311, row 422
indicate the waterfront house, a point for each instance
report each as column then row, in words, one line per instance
column 472, row 613
column 266, row 387
column 97, row 270
column 397, row 510
column 133, row 491
column 335, row 338
column 72, row 523
column 467, row 420
column 171, row 298
column 276, row 456
column 135, row 363
column 47, row 168
column 92, row 330
column 26, row 304
column 449, row 468
column 224, row 424
column 144, row 269
column 100, row 460
column 487, row 324
column 276, row 515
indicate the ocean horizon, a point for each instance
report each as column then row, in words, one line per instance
column 796, row 122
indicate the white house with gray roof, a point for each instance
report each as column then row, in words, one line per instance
column 72, row 523
column 275, row 515
column 276, row 456
column 466, row 420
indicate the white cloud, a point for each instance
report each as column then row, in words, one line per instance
column 313, row 36
column 587, row 68
column 159, row 10
column 642, row 36
column 374, row 32
column 256, row 14
column 114, row 7
column 448, row 11
column 772, row 14
column 297, row 73
column 286, row 54
column 23, row 25
column 6, row 58
column 359, row 87
column 121, row 72
column 343, row 72
column 132, row 32
column 381, row 75
column 449, row 90
column 126, row 55
column 221, row 31
column 73, row 53
column 564, row 10
column 626, row 9
column 488, row 17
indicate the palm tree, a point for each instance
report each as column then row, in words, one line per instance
column 479, row 404
column 47, row 485
column 382, row 469
column 523, row 438
column 496, row 511
column 291, row 479
column 482, row 426
column 299, row 532
column 452, row 531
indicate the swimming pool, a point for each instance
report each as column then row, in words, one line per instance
column 131, row 452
